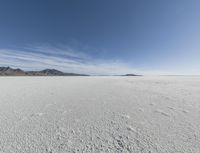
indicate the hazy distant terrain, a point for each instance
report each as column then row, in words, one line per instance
column 100, row 114
column 7, row 71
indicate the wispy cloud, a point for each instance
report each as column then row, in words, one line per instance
column 64, row 59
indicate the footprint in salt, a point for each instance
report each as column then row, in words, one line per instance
column 40, row 114
column 172, row 108
column 49, row 149
column 125, row 116
column 66, row 111
column 185, row 111
column 37, row 114
column 162, row 113
column 132, row 129
column 62, row 129
column 48, row 105
column 24, row 118
column 141, row 110
column 73, row 131
column 152, row 104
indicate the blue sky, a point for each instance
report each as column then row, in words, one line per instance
column 101, row 36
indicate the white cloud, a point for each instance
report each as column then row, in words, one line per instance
column 67, row 60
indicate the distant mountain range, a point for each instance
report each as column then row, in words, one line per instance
column 7, row 71
column 131, row 75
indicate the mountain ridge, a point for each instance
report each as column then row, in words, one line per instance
column 8, row 71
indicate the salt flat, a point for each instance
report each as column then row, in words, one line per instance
column 100, row 114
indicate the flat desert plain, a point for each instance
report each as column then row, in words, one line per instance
column 159, row 114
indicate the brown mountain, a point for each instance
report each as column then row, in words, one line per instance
column 7, row 71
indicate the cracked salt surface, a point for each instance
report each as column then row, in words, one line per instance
column 99, row 114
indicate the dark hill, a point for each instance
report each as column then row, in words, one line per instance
column 132, row 75
column 7, row 71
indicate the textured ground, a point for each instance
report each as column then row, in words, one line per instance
column 100, row 114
